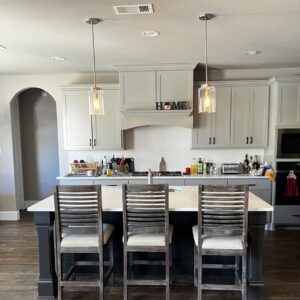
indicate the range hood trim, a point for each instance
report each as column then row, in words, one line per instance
column 140, row 118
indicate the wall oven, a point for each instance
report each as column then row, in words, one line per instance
column 288, row 143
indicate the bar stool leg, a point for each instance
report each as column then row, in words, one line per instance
column 125, row 292
column 195, row 265
column 59, row 277
column 167, row 273
column 111, row 260
column 199, row 264
column 101, row 284
column 244, row 277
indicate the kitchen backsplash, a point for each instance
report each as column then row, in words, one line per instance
column 148, row 144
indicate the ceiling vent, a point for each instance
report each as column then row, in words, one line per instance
column 133, row 9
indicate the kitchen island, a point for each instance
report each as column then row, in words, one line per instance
column 183, row 204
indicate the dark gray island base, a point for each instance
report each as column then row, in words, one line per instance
column 182, row 247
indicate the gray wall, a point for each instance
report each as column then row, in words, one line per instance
column 39, row 143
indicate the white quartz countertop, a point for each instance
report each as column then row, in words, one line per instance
column 185, row 177
column 184, row 199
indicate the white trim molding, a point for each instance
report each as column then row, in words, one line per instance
column 13, row 215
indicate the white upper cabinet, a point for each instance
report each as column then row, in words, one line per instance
column 175, row 85
column 107, row 129
column 259, row 116
column 289, row 104
column 250, row 116
column 77, row 121
column 220, row 137
column 213, row 130
column 83, row 132
column 138, row 90
column 240, row 116
column 241, row 119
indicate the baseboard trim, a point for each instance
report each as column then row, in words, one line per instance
column 13, row 215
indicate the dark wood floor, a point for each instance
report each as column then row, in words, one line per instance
column 19, row 269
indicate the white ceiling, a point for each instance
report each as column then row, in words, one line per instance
column 35, row 30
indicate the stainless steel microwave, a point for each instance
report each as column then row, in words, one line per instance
column 288, row 143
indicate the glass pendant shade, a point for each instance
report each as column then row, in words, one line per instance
column 207, row 99
column 96, row 102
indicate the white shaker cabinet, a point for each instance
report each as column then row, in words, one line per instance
column 221, row 118
column 138, row 90
column 289, row 104
column 107, row 132
column 77, row 121
column 249, row 121
column 85, row 132
column 174, row 85
column 213, row 130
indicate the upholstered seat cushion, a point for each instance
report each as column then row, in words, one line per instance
column 85, row 237
column 149, row 239
column 219, row 242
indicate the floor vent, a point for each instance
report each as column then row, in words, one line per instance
column 133, row 9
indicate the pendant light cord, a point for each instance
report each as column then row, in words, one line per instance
column 206, row 50
column 94, row 58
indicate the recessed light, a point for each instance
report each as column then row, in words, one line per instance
column 149, row 33
column 253, row 52
column 57, row 58
column 2, row 47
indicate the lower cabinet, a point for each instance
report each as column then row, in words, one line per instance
column 76, row 182
column 111, row 182
column 197, row 181
column 287, row 214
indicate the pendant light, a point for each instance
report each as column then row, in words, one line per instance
column 206, row 93
column 96, row 102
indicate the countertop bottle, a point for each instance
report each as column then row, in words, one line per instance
column 194, row 167
column 246, row 164
column 204, row 167
column 104, row 165
column 200, row 171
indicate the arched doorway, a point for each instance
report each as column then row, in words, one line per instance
column 35, row 140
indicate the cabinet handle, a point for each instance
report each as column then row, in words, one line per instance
column 214, row 140
column 94, row 142
column 91, row 142
column 247, row 140
column 209, row 141
column 251, row 140
column 298, row 216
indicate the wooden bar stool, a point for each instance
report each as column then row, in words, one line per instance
column 79, row 229
column 146, row 229
column 223, row 225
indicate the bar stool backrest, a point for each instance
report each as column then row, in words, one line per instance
column 77, row 209
column 146, row 209
column 223, row 210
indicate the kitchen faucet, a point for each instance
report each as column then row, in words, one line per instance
column 150, row 177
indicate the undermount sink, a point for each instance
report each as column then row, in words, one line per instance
column 175, row 189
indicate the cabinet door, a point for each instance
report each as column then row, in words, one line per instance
column 259, row 117
column 77, row 121
column 221, row 119
column 138, row 90
column 289, row 104
column 201, row 133
column 175, row 86
column 107, row 132
column 240, row 116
